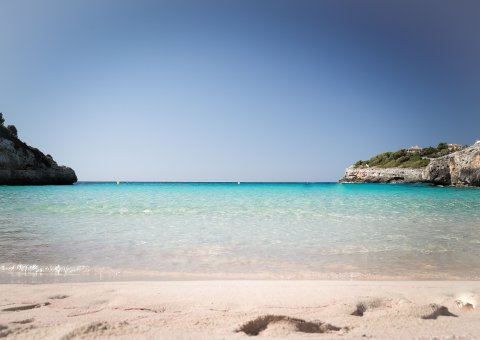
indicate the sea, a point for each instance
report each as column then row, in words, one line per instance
column 221, row 231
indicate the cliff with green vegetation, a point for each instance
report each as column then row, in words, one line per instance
column 21, row 164
column 446, row 164
column 406, row 158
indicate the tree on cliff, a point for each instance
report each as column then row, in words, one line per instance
column 13, row 130
column 442, row 146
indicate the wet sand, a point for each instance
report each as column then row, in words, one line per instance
column 238, row 309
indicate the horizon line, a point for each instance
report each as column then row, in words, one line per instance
column 206, row 182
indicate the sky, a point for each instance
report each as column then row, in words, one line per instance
column 249, row 90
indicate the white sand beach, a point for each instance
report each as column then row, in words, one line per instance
column 219, row 309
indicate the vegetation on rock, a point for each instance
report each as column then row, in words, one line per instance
column 406, row 159
column 13, row 130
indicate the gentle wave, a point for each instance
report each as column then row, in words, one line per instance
column 35, row 269
column 16, row 273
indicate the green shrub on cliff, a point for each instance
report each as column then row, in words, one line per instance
column 404, row 158
column 440, row 150
column 13, row 130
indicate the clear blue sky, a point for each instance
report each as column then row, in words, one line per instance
column 237, row 90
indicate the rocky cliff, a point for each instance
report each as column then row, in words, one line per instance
column 21, row 164
column 461, row 168
column 377, row 175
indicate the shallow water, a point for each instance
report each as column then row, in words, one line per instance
column 104, row 231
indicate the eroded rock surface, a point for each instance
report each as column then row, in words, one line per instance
column 377, row 175
column 461, row 168
column 21, row 164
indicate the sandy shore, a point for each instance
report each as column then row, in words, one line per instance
column 219, row 309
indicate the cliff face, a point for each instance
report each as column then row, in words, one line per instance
column 459, row 168
column 21, row 164
column 377, row 175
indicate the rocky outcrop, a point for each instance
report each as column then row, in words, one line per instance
column 378, row 175
column 21, row 164
column 461, row 168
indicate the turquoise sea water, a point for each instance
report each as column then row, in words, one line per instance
column 104, row 231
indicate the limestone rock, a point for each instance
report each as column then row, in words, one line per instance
column 21, row 164
column 459, row 168
column 378, row 175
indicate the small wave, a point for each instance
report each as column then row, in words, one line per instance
column 34, row 273
column 55, row 269
column 43, row 269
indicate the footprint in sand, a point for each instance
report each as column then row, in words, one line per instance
column 22, row 322
column 262, row 323
column 467, row 302
column 145, row 309
column 58, row 297
column 4, row 331
column 360, row 308
column 433, row 311
column 25, row 307
column 96, row 329
column 363, row 306
column 84, row 312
